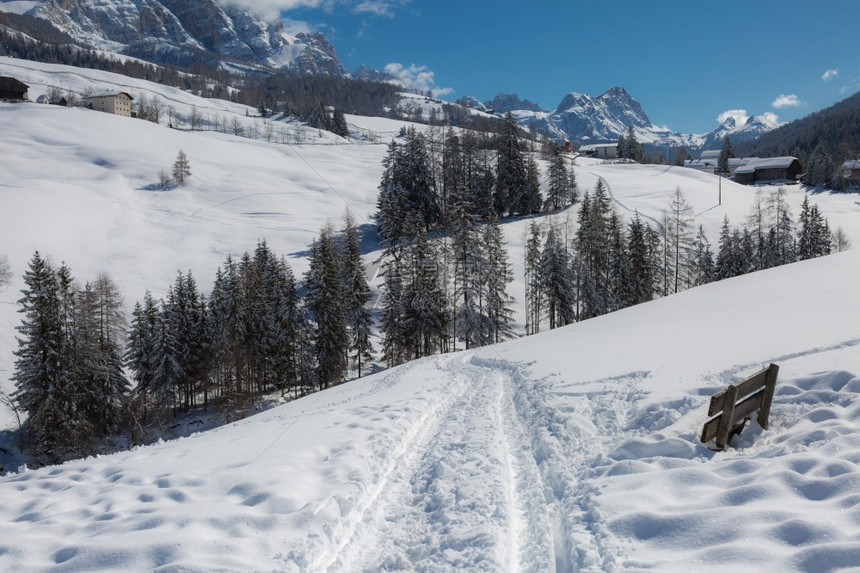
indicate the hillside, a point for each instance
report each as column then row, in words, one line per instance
column 836, row 127
column 575, row 449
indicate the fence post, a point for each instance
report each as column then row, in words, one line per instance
column 725, row 427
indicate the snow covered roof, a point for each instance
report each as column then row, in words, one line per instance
column 766, row 163
column 594, row 146
column 853, row 164
column 710, row 154
column 110, row 94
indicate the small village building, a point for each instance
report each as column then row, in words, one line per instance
column 43, row 99
column 851, row 169
column 709, row 162
column 117, row 103
column 769, row 169
column 12, row 89
column 600, row 150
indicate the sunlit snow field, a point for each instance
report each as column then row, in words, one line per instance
column 573, row 450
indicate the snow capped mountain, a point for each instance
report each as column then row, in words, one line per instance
column 600, row 118
column 739, row 129
column 504, row 103
column 589, row 119
column 183, row 31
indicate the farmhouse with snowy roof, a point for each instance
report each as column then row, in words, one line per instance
column 118, row 103
column 13, row 89
column 709, row 162
column 769, row 169
column 851, row 169
column 600, row 150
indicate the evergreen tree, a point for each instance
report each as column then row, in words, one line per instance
column 620, row 278
column 702, row 260
column 558, row 183
column 533, row 278
column 391, row 326
column 140, row 358
column 814, row 238
column 356, row 295
column 556, row 281
column 425, row 323
column 468, row 258
column 391, row 204
column 422, row 199
column 512, row 183
column 338, row 123
column 324, row 299
column 41, row 378
column 820, row 171
column 641, row 268
column 498, row 276
column 726, row 152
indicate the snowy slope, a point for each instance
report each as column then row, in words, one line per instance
column 575, row 449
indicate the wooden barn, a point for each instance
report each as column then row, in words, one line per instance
column 769, row 169
column 12, row 89
column 851, row 169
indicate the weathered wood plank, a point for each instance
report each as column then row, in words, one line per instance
column 737, row 402
column 744, row 387
column 725, row 426
column 769, row 390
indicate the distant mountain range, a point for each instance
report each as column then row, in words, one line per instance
column 583, row 118
column 222, row 35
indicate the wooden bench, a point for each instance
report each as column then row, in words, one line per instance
column 733, row 406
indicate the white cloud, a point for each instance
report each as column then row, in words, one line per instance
column 272, row 9
column 829, row 75
column 416, row 77
column 786, row 101
column 379, row 7
column 740, row 116
column 770, row 117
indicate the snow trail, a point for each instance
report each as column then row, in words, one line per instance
column 467, row 495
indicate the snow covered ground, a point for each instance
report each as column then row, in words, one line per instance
column 573, row 450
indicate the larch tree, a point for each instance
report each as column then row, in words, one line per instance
column 181, row 168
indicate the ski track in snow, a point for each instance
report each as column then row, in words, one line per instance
column 491, row 478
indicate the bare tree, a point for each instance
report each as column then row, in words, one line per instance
column 195, row 119
column 5, row 271
column 181, row 168
column 236, row 126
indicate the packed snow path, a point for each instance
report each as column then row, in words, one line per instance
column 486, row 478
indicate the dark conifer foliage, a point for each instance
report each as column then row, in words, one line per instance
column 325, row 301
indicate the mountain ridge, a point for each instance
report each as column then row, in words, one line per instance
column 598, row 119
column 181, row 32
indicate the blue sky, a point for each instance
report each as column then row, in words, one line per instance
column 687, row 62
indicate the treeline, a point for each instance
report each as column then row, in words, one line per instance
column 606, row 265
column 253, row 333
